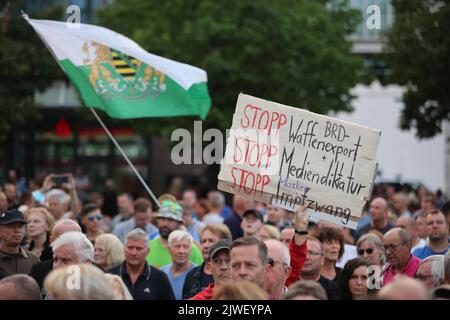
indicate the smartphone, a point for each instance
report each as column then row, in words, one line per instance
column 59, row 180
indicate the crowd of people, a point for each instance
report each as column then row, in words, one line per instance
column 62, row 240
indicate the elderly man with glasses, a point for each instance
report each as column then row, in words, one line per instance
column 397, row 247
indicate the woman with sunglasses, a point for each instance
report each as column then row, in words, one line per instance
column 91, row 218
column 370, row 247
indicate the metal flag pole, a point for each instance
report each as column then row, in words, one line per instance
column 126, row 157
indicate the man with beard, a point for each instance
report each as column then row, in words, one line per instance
column 437, row 231
column 168, row 218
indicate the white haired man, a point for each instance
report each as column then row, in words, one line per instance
column 431, row 271
column 180, row 248
column 41, row 269
column 60, row 197
column 72, row 248
column 142, row 280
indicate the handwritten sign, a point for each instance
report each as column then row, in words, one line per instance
column 289, row 157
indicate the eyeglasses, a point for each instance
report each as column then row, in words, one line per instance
column 92, row 218
column 273, row 261
column 392, row 247
column 362, row 251
column 422, row 277
column 314, row 253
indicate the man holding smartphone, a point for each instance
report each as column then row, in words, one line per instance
column 61, row 196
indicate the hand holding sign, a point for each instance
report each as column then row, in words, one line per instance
column 301, row 221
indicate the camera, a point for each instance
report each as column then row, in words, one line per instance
column 59, row 180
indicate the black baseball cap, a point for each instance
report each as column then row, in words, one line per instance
column 218, row 246
column 254, row 212
column 12, row 216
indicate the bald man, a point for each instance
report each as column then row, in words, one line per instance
column 379, row 211
column 404, row 288
column 41, row 269
column 397, row 248
column 409, row 224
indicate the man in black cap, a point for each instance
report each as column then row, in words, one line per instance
column 13, row 258
column 219, row 261
column 252, row 223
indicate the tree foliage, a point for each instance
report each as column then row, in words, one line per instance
column 293, row 51
column 25, row 66
column 417, row 54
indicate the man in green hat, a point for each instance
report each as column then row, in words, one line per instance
column 168, row 218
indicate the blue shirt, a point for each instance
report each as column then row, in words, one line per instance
column 233, row 222
column 426, row 251
column 178, row 281
column 226, row 212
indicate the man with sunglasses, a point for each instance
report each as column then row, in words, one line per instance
column 91, row 218
column 397, row 247
column 279, row 260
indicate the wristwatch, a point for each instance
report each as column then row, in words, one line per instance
column 301, row 232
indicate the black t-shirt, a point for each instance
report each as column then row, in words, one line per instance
column 47, row 252
column 196, row 281
column 329, row 286
column 152, row 284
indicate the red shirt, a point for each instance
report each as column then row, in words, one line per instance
column 298, row 257
column 205, row 294
column 408, row 270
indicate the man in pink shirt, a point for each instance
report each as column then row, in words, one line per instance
column 397, row 247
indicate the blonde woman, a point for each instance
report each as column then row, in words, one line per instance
column 269, row 232
column 108, row 251
column 40, row 224
column 92, row 284
column 239, row 290
column 120, row 289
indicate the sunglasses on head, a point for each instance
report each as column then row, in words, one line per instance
column 92, row 218
column 361, row 251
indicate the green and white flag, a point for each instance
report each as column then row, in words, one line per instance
column 113, row 73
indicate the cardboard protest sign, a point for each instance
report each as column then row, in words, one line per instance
column 289, row 157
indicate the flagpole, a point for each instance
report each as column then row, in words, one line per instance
column 126, row 157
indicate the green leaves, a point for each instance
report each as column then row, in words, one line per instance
column 417, row 53
column 292, row 52
column 26, row 66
